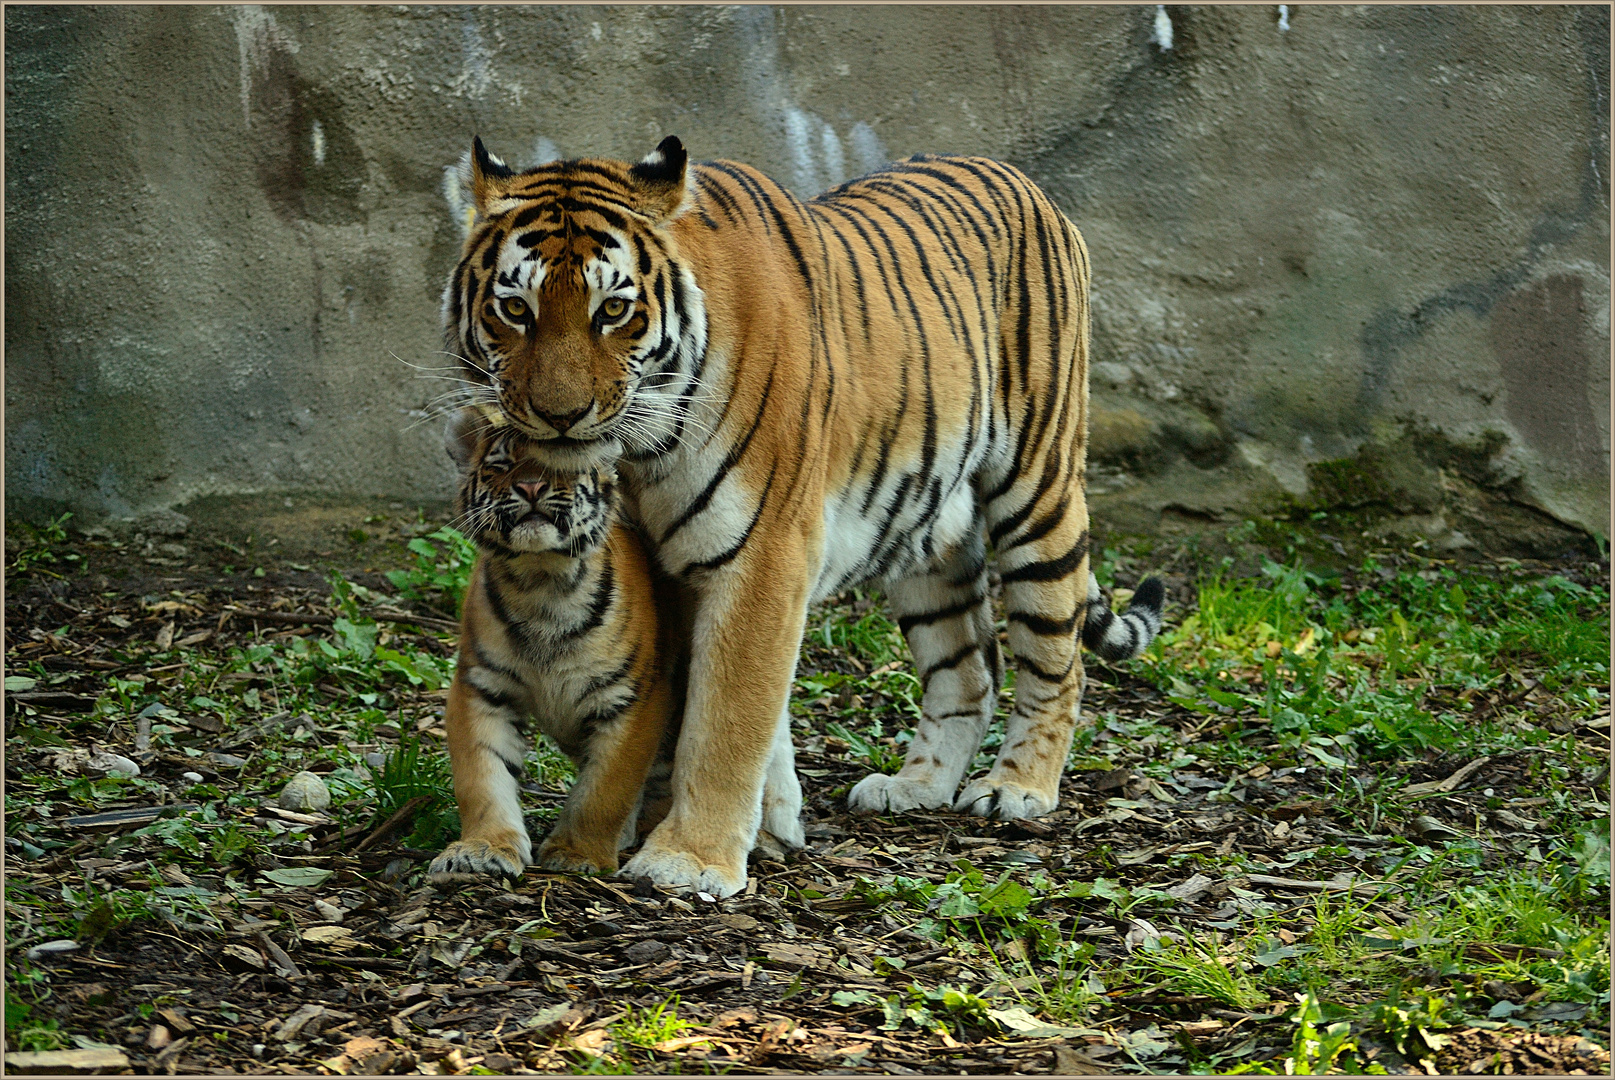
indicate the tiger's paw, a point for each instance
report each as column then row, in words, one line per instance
column 881, row 794
column 476, row 860
column 564, row 853
column 782, row 826
column 665, row 866
column 771, row 845
column 1004, row 800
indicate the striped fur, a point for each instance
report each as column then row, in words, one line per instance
column 559, row 627
column 875, row 385
column 1123, row 637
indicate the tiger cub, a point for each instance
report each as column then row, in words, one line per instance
column 559, row 626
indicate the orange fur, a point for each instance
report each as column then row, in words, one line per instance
column 559, row 627
column 877, row 384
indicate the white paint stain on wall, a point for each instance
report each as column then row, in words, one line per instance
column 545, row 152
column 257, row 34
column 476, row 70
column 318, row 139
column 457, row 192
column 816, row 153
column 1163, row 28
column 867, row 148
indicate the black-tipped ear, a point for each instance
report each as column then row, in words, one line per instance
column 487, row 172
column 660, row 179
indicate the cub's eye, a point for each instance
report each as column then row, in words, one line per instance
column 515, row 307
column 614, row 307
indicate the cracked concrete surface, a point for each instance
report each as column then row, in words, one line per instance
column 227, row 231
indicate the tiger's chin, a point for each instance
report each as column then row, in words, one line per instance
column 540, row 540
column 562, row 454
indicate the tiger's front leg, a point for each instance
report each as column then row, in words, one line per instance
column 748, row 627
column 596, row 821
column 487, row 752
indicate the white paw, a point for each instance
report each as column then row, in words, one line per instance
column 782, row 820
column 681, row 869
column 881, row 794
column 1003, row 800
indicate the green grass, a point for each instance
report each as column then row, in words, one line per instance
column 1353, row 676
column 1371, row 678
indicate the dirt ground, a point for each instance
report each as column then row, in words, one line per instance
column 543, row 976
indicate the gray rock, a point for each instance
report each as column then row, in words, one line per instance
column 49, row 948
column 305, row 792
column 646, row 952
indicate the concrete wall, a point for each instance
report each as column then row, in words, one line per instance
column 227, row 228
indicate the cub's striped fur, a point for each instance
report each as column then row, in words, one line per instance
column 560, row 627
column 878, row 384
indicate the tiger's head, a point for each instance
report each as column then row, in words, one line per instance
column 509, row 502
column 571, row 306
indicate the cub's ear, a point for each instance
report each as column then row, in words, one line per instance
column 489, row 176
column 462, row 433
column 662, row 181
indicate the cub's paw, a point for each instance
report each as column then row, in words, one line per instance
column 564, row 854
column 665, row 866
column 881, row 794
column 1003, row 800
column 475, row 860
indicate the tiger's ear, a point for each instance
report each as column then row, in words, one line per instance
column 662, row 181
column 488, row 176
column 461, row 435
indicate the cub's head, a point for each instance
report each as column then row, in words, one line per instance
column 571, row 302
column 508, row 502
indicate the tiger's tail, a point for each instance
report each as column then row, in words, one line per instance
column 1122, row 637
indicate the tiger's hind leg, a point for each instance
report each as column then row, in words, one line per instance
column 1043, row 564
column 946, row 616
column 781, row 831
column 486, row 752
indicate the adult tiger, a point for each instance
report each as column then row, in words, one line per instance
column 873, row 385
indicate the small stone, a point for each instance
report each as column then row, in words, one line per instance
column 50, row 948
column 646, row 952
column 164, row 523
column 193, row 777
column 328, row 911
column 241, row 958
column 224, row 761
column 77, row 762
column 305, row 791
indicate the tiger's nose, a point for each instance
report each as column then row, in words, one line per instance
column 564, row 421
column 531, row 490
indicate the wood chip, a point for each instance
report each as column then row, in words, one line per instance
column 294, row 1024
column 1449, row 784
column 76, row 1062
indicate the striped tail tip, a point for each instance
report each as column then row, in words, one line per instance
column 1115, row 637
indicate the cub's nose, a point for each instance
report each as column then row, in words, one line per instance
column 531, row 490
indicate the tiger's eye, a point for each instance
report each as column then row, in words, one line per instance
column 614, row 307
column 515, row 307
